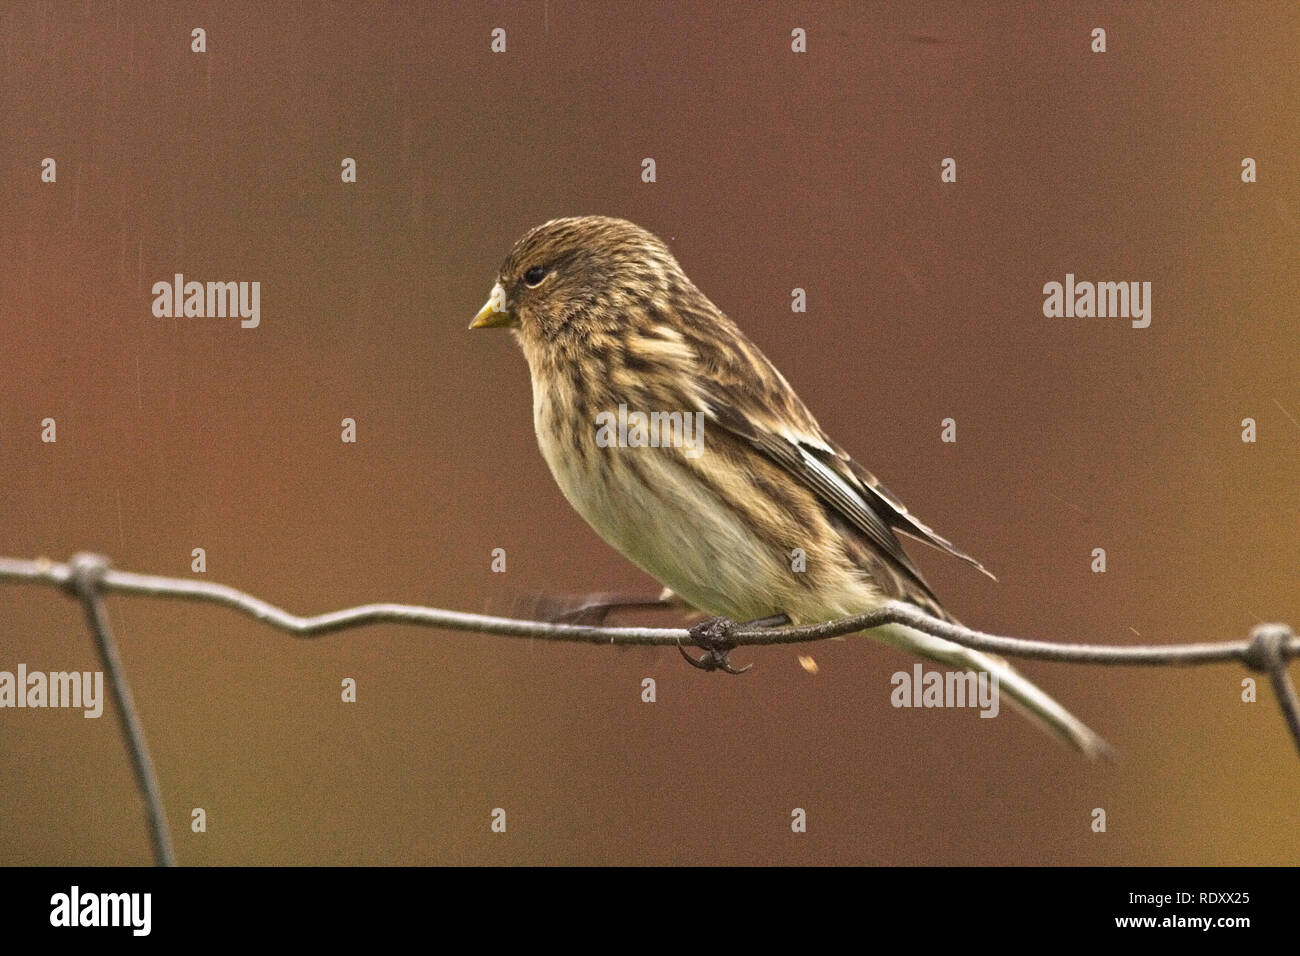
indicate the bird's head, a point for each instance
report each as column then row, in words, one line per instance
column 574, row 278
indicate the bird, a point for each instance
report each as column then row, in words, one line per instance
column 718, row 473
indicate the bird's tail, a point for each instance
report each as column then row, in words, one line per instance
column 1025, row 695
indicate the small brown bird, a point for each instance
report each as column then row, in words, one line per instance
column 685, row 449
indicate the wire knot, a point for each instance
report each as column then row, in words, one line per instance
column 1264, row 652
column 87, row 572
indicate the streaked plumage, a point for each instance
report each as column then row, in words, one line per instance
column 611, row 319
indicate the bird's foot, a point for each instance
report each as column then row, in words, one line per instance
column 715, row 637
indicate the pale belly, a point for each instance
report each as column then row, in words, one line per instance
column 682, row 535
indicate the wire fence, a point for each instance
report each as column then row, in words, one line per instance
column 88, row 577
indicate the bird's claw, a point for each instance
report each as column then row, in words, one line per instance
column 713, row 636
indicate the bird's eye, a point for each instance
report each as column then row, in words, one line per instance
column 535, row 275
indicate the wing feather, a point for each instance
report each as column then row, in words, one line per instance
column 841, row 483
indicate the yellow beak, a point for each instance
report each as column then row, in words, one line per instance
column 494, row 314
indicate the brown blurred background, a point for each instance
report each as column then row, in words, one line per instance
column 775, row 170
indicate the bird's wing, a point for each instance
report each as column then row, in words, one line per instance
column 899, row 517
column 798, row 445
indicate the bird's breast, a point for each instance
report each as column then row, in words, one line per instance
column 676, row 517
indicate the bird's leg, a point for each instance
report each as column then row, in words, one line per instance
column 776, row 620
column 714, row 637
column 596, row 607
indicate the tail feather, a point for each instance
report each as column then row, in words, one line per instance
column 1024, row 694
